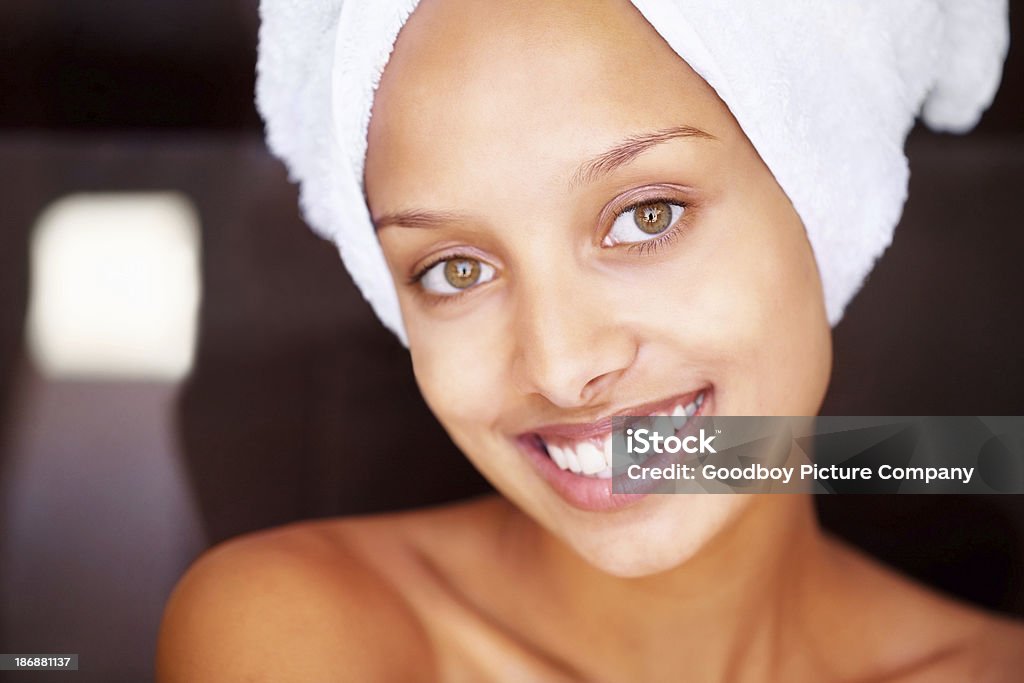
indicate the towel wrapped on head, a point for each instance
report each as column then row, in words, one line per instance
column 826, row 91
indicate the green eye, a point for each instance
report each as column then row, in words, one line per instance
column 462, row 273
column 653, row 218
column 456, row 274
column 643, row 222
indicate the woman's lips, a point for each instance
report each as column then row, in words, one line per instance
column 589, row 486
column 558, row 433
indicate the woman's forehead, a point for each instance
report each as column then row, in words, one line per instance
column 475, row 86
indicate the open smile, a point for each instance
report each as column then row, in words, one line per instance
column 576, row 459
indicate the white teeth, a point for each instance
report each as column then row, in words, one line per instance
column 679, row 417
column 558, row 455
column 681, row 414
column 572, row 460
column 591, row 459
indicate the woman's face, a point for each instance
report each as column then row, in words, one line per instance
column 578, row 228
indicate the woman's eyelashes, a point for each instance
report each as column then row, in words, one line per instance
column 455, row 275
column 650, row 221
column 643, row 226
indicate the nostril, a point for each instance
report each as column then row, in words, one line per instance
column 599, row 385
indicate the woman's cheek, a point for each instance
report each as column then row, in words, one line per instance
column 457, row 369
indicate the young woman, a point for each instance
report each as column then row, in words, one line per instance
column 576, row 226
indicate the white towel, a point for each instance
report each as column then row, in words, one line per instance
column 826, row 90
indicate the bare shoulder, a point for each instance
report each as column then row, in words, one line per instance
column 992, row 653
column 996, row 653
column 305, row 602
column 920, row 635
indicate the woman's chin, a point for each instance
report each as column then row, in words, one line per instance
column 636, row 565
column 666, row 532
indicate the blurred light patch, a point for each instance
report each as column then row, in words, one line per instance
column 115, row 287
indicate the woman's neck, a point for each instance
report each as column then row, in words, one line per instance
column 725, row 612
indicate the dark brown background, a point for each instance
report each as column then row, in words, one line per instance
column 156, row 94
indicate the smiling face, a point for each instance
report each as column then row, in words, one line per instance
column 578, row 228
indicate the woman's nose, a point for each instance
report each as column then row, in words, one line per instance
column 568, row 347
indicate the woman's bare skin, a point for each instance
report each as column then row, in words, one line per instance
column 462, row 593
column 483, row 119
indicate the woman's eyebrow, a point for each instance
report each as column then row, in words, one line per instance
column 416, row 219
column 590, row 170
column 630, row 149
